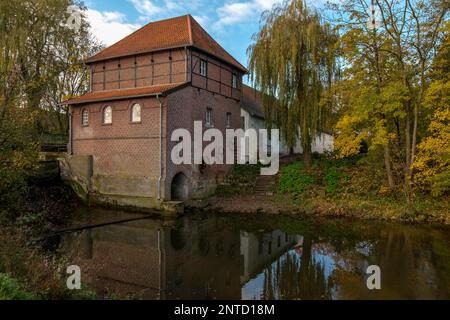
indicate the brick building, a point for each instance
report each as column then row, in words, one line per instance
column 164, row 76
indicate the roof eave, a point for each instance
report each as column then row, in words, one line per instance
column 113, row 98
column 93, row 59
column 252, row 113
column 132, row 96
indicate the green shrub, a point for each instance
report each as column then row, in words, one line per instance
column 294, row 179
column 11, row 290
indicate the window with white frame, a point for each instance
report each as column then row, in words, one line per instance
column 85, row 117
column 209, row 117
column 107, row 115
column 234, row 81
column 203, row 67
column 228, row 120
column 136, row 113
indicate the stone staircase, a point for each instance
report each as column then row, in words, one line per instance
column 265, row 186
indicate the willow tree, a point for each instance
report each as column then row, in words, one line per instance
column 293, row 63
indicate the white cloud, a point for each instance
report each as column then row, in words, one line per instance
column 109, row 27
column 235, row 12
column 147, row 8
column 240, row 12
column 203, row 20
column 152, row 9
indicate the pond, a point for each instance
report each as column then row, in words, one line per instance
column 212, row 256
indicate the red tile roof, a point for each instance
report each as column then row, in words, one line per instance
column 252, row 101
column 172, row 33
column 125, row 93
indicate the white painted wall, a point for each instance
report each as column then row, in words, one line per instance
column 252, row 122
column 324, row 142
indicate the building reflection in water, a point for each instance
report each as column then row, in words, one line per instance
column 218, row 258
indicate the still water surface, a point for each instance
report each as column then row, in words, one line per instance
column 258, row 257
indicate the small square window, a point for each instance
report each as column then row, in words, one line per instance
column 234, row 81
column 228, row 120
column 203, row 67
column 209, row 117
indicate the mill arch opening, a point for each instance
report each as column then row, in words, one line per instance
column 180, row 187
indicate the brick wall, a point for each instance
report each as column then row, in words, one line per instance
column 125, row 150
column 126, row 155
column 122, row 149
column 184, row 107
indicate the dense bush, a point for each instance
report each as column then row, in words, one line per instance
column 11, row 290
column 294, row 179
column 18, row 159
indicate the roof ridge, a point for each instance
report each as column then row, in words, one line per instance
column 135, row 31
column 217, row 43
column 189, row 22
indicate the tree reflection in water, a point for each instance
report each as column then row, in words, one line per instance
column 232, row 257
column 296, row 276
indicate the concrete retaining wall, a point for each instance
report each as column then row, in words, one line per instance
column 114, row 190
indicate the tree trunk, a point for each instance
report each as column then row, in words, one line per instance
column 307, row 159
column 387, row 164
column 408, row 191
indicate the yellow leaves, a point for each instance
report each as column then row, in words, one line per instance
column 438, row 95
column 348, row 140
column 393, row 98
column 381, row 135
column 432, row 163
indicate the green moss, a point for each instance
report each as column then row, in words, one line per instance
column 79, row 190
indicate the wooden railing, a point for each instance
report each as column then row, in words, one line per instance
column 54, row 142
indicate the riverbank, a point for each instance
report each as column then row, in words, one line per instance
column 348, row 207
column 329, row 189
column 26, row 270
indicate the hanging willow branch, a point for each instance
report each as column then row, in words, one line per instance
column 293, row 62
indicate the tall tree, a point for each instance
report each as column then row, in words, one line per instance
column 50, row 60
column 293, row 62
column 37, row 52
column 432, row 164
column 390, row 75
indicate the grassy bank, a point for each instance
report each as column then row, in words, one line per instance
column 352, row 188
column 334, row 188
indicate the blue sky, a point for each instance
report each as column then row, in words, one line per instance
column 231, row 22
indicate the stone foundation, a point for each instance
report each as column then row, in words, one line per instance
column 128, row 192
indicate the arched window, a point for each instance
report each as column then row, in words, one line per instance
column 107, row 115
column 136, row 113
column 85, row 117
